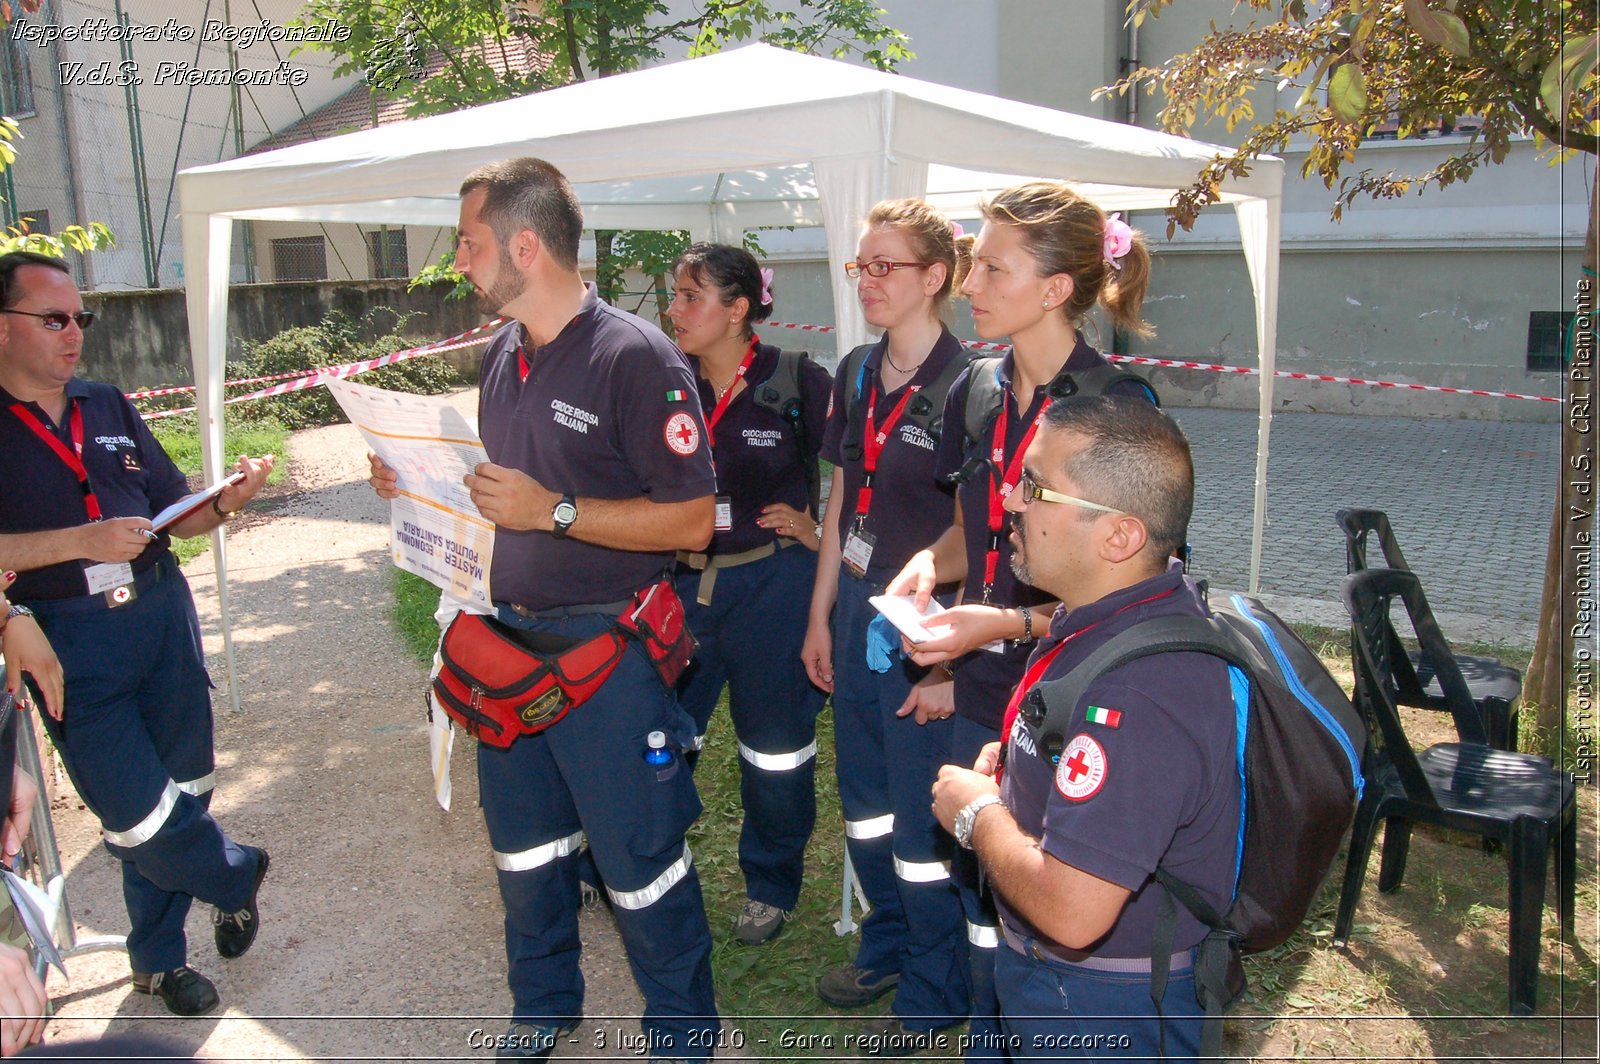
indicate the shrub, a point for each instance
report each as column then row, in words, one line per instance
column 335, row 341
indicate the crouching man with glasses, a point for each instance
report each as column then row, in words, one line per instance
column 1147, row 775
column 80, row 478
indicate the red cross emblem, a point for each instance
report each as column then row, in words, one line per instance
column 1082, row 770
column 682, row 434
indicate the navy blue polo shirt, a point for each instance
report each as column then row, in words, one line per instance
column 609, row 411
column 1157, row 782
column 985, row 679
column 129, row 472
column 759, row 461
column 907, row 499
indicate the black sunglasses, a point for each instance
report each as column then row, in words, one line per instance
column 56, row 320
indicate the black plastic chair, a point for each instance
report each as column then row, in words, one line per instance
column 1494, row 686
column 1520, row 800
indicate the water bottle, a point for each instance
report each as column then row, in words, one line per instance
column 657, row 754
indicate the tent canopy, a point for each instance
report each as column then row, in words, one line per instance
column 751, row 137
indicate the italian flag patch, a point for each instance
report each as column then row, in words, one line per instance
column 1111, row 718
column 677, row 396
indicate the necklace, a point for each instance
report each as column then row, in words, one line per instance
column 898, row 369
column 723, row 389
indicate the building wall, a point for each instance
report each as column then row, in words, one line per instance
column 177, row 125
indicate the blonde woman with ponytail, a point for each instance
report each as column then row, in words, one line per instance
column 1045, row 259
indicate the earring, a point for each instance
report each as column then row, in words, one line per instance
column 1046, row 305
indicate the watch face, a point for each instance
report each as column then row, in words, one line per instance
column 565, row 513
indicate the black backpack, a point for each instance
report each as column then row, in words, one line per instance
column 925, row 410
column 781, row 393
column 1302, row 779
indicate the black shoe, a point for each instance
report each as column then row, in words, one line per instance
column 185, row 991
column 529, row 1041
column 849, row 987
column 886, row 1036
column 235, row 932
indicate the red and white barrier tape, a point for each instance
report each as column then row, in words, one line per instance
column 1213, row 367
column 313, row 378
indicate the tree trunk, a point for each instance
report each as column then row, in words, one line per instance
column 1550, row 670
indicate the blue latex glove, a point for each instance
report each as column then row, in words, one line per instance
column 883, row 644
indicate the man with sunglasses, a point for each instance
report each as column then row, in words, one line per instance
column 80, row 478
column 1147, row 774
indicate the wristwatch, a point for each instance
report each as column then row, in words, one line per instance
column 563, row 515
column 17, row 610
column 968, row 816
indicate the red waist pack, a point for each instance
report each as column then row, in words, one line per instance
column 656, row 620
column 499, row 689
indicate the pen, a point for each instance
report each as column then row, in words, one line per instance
column 147, row 534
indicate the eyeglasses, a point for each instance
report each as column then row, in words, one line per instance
column 56, row 320
column 879, row 268
column 1031, row 492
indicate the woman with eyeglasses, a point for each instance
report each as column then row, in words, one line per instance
column 891, row 726
column 745, row 596
column 1044, row 260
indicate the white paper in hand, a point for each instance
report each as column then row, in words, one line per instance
column 902, row 613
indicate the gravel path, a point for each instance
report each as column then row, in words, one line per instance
column 381, row 921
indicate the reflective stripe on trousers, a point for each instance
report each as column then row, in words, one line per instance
column 778, row 762
column 983, row 936
column 528, row 860
column 146, row 829
column 922, row 871
column 654, row 892
column 205, row 783
column 875, row 828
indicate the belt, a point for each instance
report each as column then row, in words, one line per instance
column 611, row 609
column 708, row 564
column 1041, row 951
column 143, row 582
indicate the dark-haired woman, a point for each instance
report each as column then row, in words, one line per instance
column 746, row 597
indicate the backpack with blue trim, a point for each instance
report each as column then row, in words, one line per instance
column 1300, row 749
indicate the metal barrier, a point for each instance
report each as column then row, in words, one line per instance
column 40, row 861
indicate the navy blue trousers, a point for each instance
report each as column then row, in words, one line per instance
column 1058, row 1011
column 886, row 767
column 136, row 741
column 983, row 926
column 750, row 639
column 585, row 777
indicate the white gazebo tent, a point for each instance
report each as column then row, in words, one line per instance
column 753, row 137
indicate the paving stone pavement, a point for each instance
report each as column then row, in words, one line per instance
column 1470, row 501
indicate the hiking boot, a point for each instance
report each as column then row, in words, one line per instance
column 529, row 1041
column 235, row 932
column 849, row 987
column 185, row 991
column 758, row 922
column 886, row 1036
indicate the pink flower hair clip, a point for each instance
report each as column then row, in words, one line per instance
column 1118, row 241
column 766, row 287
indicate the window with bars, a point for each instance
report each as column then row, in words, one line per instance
column 16, row 77
column 1547, row 340
column 300, row 258
column 386, row 253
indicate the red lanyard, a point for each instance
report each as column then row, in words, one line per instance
column 72, row 458
column 522, row 365
column 872, row 444
column 1001, row 489
column 727, row 396
column 1041, row 662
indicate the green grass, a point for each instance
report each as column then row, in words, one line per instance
column 415, row 601
column 180, row 438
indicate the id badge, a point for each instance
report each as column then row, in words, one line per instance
column 724, row 514
column 858, row 551
column 112, row 579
